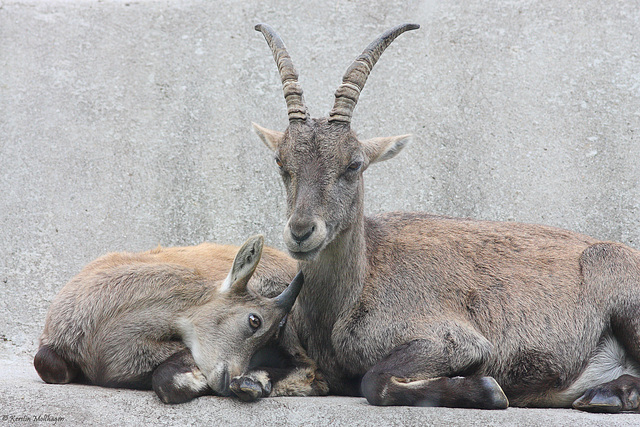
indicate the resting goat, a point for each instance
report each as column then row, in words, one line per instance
column 417, row 309
column 184, row 321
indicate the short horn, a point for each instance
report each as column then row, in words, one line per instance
column 292, row 89
column 286, row 299
column 356, row 76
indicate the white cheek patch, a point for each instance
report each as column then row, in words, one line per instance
column 190, row 339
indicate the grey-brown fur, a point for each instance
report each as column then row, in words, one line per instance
column 416, row 309
column 126, row 314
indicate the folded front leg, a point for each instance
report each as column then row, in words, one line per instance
column 179, row 380
column 622, row 394
column 428, row 372
column 283, row 370
column 291, row 381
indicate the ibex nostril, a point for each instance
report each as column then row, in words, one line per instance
column 301, row 238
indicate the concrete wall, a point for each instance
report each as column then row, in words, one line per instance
column 124, row 125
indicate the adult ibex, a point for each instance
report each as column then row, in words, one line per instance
column 417, row 309
column 185, row 321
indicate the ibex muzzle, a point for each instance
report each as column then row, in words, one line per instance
column 184, row 321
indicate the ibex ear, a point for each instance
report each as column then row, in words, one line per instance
column 244, row 265
column 380, row 149
column 271, row 138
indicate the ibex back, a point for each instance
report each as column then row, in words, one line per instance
column 416, row 309
column 184, row 321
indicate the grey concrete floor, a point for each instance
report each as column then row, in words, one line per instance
column 124, row 125
column 26, row 397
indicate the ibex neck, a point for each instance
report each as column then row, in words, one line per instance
column 334, row 280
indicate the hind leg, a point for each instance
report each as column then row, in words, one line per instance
column 52, row 368
column 614, row 270
column 622, row 394
column 425, row 372
column 179, row 380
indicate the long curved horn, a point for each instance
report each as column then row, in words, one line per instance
column 286, row 299
column 292, row 89
column 357, row 74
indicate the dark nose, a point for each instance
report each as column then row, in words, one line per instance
column 224, row 383
column 302, row 234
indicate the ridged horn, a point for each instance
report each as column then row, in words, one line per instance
column 286, row 299
column 356, row 76
column 292, row 89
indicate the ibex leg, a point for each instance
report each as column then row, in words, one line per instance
column 278, row 373
column 178, row 379
column 428, row 372
column 613, row 271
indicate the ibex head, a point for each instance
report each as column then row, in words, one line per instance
column 321, row 160
column 225, row 333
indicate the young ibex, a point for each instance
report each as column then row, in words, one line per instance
column 183, row 321
column 417, row 309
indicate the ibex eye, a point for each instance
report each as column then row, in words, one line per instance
column 355, row 165
column 279, row 163
column 254, row 321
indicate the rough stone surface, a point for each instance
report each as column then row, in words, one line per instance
column 124, row 125
column 25, row 396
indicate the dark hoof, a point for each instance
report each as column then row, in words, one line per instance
column 496, row 399
column 249, row 389
column 616, row 396
column 476, row 392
